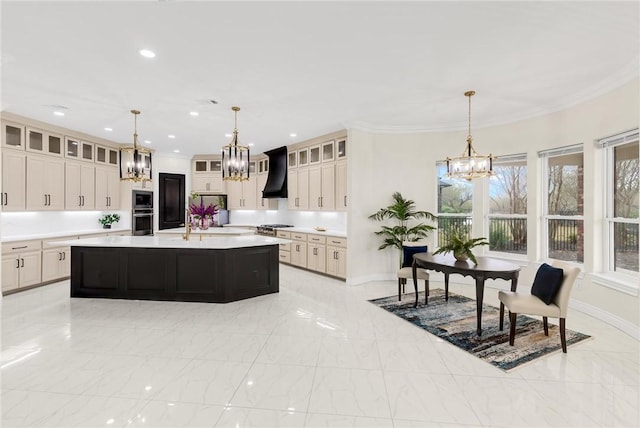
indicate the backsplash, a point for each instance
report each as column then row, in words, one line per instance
column 34, row 222
column 330, row 220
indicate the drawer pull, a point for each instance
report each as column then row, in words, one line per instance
column 19, row 248
column 335, row 242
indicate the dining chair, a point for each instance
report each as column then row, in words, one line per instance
column 406, row 271
column 555, row 306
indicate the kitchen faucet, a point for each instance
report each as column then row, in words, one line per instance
column 187, row 225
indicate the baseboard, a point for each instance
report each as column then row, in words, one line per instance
column 368, row 278
column 611, row 319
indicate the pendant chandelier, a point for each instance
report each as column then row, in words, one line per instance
column 470, row 164
column 135, row 162
column 235, row 158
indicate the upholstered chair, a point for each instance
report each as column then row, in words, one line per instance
column 406, row 272
column 526, row 303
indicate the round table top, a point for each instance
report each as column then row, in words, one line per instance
column 485, row 264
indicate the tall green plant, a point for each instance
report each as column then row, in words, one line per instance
column 402, row 211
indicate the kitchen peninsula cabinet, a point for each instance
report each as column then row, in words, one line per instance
column 79, row 186
column 45, row 183
column 13, row 180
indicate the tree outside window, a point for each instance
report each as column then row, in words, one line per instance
column 455, row 205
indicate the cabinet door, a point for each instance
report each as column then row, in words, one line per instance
column 86, row 151
column 10, row 272
column 65, row 264
column 332, row 261
column 303, row 188
column 114, row 188
column 37, row 199
column 249, row 194
column 30, row 268
column 292, row 160
column 261, row 180
column 299, row 253
column 51, row 260
column 315, row 188
column 341, row 186
column 234, row 195
column 13, row 135
column 54, row 184
column 315, row 155
column 102, row 189
column 327, row 198
column 216, row 185
column 87, row 187
column 13, row 180
column 341, row 148
column 73, row 192
column 43, row 142
column 328, row 153
column 199, row 182
column 317, row 257
column 292, row 189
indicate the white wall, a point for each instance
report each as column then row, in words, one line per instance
column 169, row 163
column 380, row 164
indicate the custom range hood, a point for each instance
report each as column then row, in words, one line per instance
column 276, row 186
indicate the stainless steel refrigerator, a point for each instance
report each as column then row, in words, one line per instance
column 218, row 200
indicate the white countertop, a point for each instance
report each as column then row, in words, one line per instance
column 312, row 231
column 221, row 243
column 212, row 231
column 28, row 237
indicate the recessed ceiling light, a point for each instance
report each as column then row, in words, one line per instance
column 194, row 113
column 147, row 142
column 227, row 135
column 176, row 151
column 108, row 129
column 58, row 113
column 171, row 136
column 251, row 144
column 293, row 134
column 147, row 53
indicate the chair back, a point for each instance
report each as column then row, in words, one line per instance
column 570, row 274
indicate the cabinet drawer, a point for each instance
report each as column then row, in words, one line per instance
column 285, row 247
column 338, row 242
column 298, row 236
column 317, row 239
column 285, row 256
column 21, row 246
column 283, row 234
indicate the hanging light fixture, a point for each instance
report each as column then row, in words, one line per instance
column 470, row 164
column 235, row 158
column 135, row 162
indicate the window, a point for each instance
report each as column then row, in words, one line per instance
column 563, row 221
column 622, row 221
column 507, row 219
column 455, row 199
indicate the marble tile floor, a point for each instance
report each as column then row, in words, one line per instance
column 317, row 354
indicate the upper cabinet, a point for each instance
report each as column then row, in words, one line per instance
column 106, row 155
column 292, row 159
column 14, row 169
column 314, row 155
column 328, row 152
column 44, row 142
column 12, row 135
column 207, row 175
column 78, row 150
column 341, row 148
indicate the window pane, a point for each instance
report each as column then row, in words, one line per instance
column 625, row 179
column 508, row 235
column 566, row 240
column 454, row 196
column 508, row 189
column 625, row 244
column 449, row 225
column 565, row 185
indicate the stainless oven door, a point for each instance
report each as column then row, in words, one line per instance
column 142, row 223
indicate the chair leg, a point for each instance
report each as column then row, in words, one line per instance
column 512, row 328
column 404, row 282
column 426, row 291
column 501, row 316
column 399, row 288
column 563, row 336
column 546, row 326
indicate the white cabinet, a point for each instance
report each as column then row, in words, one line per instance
column 241, row 195
column 12, row 135
column 316, row 253
column 207, row 176
column 106, row 155
column 107, row 194
column 322, row 187
column 13, row 180
column 298, row 189
column 77, row 149
column 285, row 249
column 337, row 257
column 264, row 203
column 292, row 159
column 79, row 186
column 21, row 264
column 341, row 185
column 44, row 142
column 299, row 249
column 56, row 263
column 45, row 183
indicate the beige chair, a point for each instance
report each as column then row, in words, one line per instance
column 526, row 303
column 407, row 273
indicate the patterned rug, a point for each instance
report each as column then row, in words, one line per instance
column 455, row 322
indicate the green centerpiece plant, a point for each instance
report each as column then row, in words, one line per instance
column 108, row 219
column 461, row 247
column 403, row 212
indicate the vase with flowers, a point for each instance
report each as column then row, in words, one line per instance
column 202, row 216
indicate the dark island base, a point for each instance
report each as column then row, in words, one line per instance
column 185, row 275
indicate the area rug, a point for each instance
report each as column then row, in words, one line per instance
column 455, row 322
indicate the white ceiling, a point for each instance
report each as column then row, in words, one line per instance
column 306, row 67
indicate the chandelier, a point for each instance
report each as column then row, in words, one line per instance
column 235, row 158
column 135, row 162
column 470, row 164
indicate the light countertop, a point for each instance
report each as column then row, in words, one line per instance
column 220, row 243
column 312, row 231
column 28, row 237
column 212, row 231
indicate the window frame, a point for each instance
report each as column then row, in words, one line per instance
column 468, row 216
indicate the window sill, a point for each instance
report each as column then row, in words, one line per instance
column 624, row 284
column 520, row 259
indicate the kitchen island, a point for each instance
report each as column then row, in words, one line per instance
column 218, row 270
column 212, row 232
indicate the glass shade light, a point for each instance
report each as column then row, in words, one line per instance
column 470, row 164
column 235, row 158
column 135, row 161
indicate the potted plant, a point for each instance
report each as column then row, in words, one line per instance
column 461, row 247
column 108, row 219
column 402, row 212
column 203, row 215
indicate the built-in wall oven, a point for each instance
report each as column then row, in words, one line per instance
column 142, row 213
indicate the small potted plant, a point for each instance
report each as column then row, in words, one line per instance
column 108, row 219
column 202, row 215
column 461, row 247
